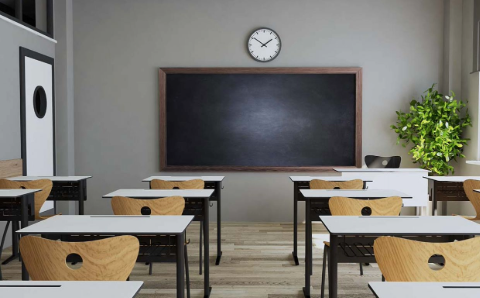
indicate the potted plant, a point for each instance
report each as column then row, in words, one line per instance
column 434, row 126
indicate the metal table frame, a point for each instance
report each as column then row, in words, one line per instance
column 446, row 191
column 201, row 214
column 27, row 203
column 180, row 261
column 297, row 197
column 315, row 207
column 216, row 197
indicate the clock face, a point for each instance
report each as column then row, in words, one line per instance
column 264, row 45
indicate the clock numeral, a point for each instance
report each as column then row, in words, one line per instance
column 276, row 52
column 275, row 37
column 250, row 44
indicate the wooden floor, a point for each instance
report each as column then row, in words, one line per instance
column 256, row 263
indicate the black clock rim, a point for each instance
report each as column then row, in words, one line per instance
column 279, row 39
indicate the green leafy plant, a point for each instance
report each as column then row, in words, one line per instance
column 434, row 127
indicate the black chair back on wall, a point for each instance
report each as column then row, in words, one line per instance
column 373, row 161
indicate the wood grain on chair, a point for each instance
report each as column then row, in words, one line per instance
column 163, row 206
column 11, row 168
column 474, row 197
column 189, row 184
column 405, row 260
column 110, row 259
column 322, row 184
column 390, row 206
column 40, row 197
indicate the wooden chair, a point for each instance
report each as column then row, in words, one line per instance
column 322, row 184
column 39, row 199
column 374, row 161
column 403, row 260
column 474, row 197
column 189, row 184
column 162, row 206
column 341, row 206
column 110, row 259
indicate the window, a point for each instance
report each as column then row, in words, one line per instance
column 34, row 14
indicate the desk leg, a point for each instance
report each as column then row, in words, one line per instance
column 206, row 247
column 24, row 225
column 333, row 263
column 14, row 255
column 218, row 187
column 295, row 222
column 308, row 248
column 181, row 265
column 82, row 197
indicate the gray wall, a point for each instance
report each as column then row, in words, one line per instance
column 12, row 38
column 470, row 92
column 120, row 44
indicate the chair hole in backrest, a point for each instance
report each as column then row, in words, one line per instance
column 146, row 210
column 436, row 262
column 74, row 261
column 385, row 162
column 175, row 187
column 366, row 211
column 336, row 187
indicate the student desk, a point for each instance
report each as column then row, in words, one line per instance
column 303, row 182
column 425, row 289
column 70, row 289
column 352, row 237
column 65, row 188
column 409, row 180
column 196, row 204
column 316, row 202
column 447, row 188
column 211, row 182
column 111, row 225
column 22, row 198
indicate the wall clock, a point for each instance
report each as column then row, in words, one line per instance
column 264, row 45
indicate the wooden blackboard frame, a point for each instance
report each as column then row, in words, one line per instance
column 163, row 72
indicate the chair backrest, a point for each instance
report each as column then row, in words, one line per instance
column 110, row 259
column 40, row 197
column 474, row 197
column 162, row 206
column 373, row 161
column 189, row 184
column 390, row 206
column 322, row 184
column 403, row 260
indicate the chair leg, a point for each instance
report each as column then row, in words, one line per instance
column 200, row 244
column 2, row 243
column 325, row 256
column 361, row 269
column 187, row 273
column 150, row 268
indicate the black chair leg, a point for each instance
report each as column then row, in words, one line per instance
column 325, row 256
column 361, row 269
column 2, row 243
column 187, row 272
column 150, row 268
column 200, row 244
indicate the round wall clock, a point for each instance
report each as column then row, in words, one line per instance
column 264, row 45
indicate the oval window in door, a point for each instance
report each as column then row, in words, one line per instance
column 40, row 102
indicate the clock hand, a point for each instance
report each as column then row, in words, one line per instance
column 265, row 44
column 259, row 41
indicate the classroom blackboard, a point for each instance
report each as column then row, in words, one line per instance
column 260, row 118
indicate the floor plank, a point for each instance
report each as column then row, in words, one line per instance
column 256, row 263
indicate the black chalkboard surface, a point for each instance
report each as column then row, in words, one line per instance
column 285, row 120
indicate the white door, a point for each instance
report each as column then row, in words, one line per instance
column 38, row 116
